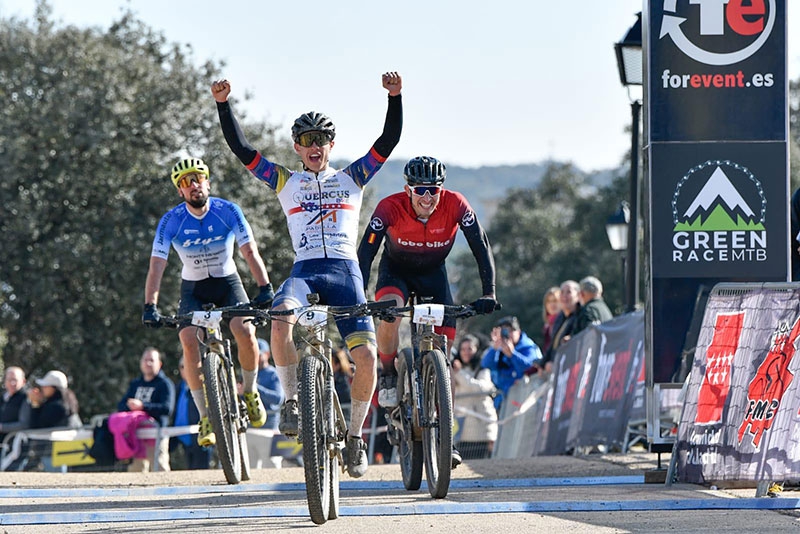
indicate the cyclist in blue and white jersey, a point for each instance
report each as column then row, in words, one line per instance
column 202, row 230
column 322, row 206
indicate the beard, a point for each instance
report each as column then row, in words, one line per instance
column 197, row 202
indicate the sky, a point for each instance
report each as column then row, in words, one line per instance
column 484, row 82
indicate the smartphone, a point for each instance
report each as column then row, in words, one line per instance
column 505, row 333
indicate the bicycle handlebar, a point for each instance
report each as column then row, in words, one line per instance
column 228, row 312
column 260, row 315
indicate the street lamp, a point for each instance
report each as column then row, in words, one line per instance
column 617, row 226
column 629, row 62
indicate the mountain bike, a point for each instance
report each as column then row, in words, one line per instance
column 226, row 411
column 323, row 427
column 421, row 426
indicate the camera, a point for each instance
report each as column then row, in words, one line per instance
column 505, row 333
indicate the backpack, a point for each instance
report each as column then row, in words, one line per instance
column 102, row 449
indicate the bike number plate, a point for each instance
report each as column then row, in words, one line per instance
column 312, row 316
column 208, row 319
column 429, row 314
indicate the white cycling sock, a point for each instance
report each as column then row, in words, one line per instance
column 200, row 401
column 288, row 377
column 249, row 381
column 358, row 414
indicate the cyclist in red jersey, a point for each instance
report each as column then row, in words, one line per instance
column 419, row 225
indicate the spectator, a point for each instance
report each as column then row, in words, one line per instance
column 268, row 385
column 197, row 456
column 154, row 394
column 510, row 354
column 551, row 306
column 565, row 322
column 53, row 404
column 473, row 390
column 594, row 309
column 15, row 409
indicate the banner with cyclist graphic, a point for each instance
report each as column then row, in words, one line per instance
column 740, row 419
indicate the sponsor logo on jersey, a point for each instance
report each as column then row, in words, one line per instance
column 468, row 219
column 376, row 224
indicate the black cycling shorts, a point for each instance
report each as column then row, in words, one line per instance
column 393, row 279
column 227, row 291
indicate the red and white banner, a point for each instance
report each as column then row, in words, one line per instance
column 740, row 419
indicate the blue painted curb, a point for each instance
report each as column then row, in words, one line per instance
column 423, row 508
column 469, row 483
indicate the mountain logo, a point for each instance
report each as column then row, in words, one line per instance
column 718, row 32
column 719, row 206
column 718, row 215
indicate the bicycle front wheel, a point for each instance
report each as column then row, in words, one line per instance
column 437, row 430
column 317, row 460
column 222, row 401
column 409, row 449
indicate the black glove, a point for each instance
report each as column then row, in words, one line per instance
column 264, row 297
column 484, row 305
column 150, row 316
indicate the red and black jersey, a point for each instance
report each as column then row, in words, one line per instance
column 415, row 246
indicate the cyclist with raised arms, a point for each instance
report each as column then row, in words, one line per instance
column 420, row 225
column 202, row 230
column 321, row 205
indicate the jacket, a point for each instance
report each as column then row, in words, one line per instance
column 506, row 370
column 473, row 390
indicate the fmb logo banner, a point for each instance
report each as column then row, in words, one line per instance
column 719, row 211
column 717, row 69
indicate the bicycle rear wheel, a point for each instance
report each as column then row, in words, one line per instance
column 222, row 401
column 409, row 450
column 437, row 433
column 317, row 461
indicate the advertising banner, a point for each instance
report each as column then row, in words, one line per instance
column 740, row 419
column 716, row 136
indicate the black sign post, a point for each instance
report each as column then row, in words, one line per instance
column 716, row 160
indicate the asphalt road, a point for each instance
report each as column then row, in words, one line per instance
column 595, row 493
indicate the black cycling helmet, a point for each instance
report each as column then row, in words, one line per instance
column 425, row 170
column 313, row 121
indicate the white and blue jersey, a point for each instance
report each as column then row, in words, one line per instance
column 204, row 244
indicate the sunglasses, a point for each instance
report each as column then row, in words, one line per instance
column 193, row 178
column 421, row 190
column 309, row 138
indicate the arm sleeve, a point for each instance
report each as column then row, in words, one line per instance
column 23, row 419
column 122, row 405
column 479, row 245
column 370, row 243
column 164, row 401
column 392, row 127
column 234, row 135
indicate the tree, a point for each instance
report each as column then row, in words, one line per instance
column 93, row 121
column 542, row 236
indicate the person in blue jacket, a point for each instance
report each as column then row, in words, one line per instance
column 154, row 394
column 510, row 354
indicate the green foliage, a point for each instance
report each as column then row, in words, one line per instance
column 93, row 121
column 542, row 236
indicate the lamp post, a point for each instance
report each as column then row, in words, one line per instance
column 629, row 62
column 617, row 226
